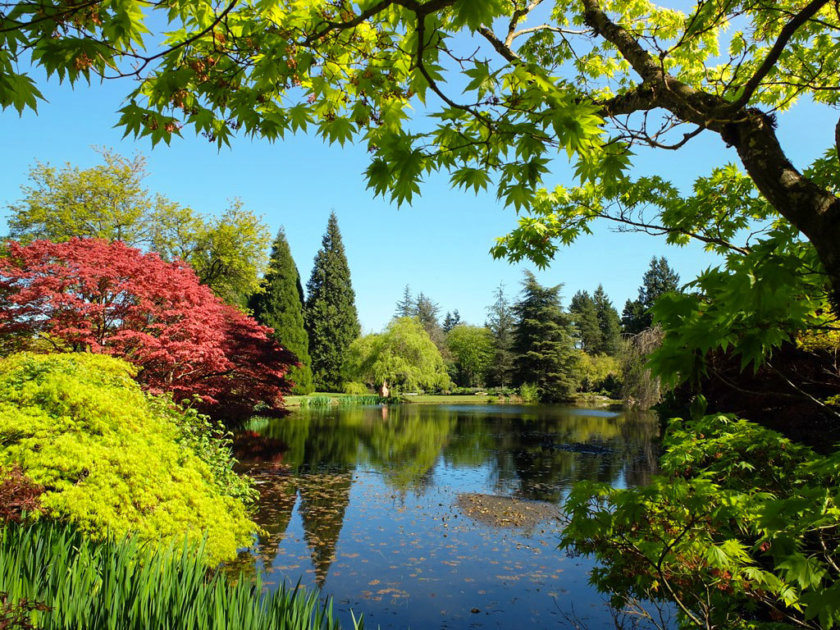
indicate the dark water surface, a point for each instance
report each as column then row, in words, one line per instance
column 438, row 516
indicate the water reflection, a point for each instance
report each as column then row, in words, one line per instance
column 390, row 509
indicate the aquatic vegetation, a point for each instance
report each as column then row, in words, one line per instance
column 56, row 577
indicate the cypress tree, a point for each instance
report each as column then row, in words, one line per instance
column 280, row 306
column 544, row 342
column 331, row 318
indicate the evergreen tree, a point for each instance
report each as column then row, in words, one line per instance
column 280, row 306
column 585, row 317
column 426, row 311
column 544, row 342
column 331, row 319
column 608, row 322
column 405, row 306
column 501, row 322
column 658, row 280
column 451, row 320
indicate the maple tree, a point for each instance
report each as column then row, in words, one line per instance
column 92, row 295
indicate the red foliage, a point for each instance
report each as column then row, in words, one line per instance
column 18, row 494
column 92, row 295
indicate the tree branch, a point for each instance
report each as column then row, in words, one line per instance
column 775, row 52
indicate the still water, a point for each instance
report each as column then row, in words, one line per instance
column 438, row 516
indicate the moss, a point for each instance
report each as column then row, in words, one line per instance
column 109, row 456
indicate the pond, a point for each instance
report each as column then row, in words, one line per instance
column 437, row 516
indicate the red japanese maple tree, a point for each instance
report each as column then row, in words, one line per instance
column 99, row 296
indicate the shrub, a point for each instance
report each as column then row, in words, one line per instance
column 356, row 389
column 529, row 393
column 113, row 459
column 741, row 531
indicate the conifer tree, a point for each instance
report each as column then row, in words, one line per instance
column 280, row 306
column 585, row 317
column 331, row 318
column 405, row 306
column 658, row 280
column 609, row 323
column 501, row 322
column 543, row 342
column 451, row 320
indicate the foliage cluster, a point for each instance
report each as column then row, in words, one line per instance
column 92, row 295
column 279, row 305
column 403, row 355
column 114, row 460
column 741, row 530
column 123, row 584
column 18, row 495
column 109, row 201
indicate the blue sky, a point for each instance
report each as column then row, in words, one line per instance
column 438, row 246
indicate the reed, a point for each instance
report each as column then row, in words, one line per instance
column 126, row 584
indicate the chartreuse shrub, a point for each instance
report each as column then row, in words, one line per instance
column 114, row 460
column 742, row 530
column 69, row 581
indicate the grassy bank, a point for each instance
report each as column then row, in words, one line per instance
column 328, row 399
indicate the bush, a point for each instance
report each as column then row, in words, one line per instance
column 126, row 585
column 356, row 389
column 529, row 393
column 741, row 531
column 114, row 460
column 599, row 373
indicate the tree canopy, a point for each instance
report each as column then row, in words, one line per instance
column 403, row 356
column 508, row 85
column 108, row 298
column 110, row 201
column 472, row 352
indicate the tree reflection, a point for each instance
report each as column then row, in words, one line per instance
column 527, row 453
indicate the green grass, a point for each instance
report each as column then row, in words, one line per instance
column 320, row 400
column 127, row 585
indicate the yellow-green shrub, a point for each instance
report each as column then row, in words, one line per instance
column 111, row 458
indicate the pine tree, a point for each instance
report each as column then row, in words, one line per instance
column 658, row 280
column 544, row 342
column 405, row 306
column 280, row 306
column 585, row 317
column 608, row 322
column 331, row 318
column 451, row 320
column 501, row 323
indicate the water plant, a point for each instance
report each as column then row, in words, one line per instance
column 62, row 579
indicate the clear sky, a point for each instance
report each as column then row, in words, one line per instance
column 438, row 246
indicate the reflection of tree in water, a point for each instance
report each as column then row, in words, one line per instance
column 278, row 494
column 323, row 500
column 406, row 444
column 539, row 452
